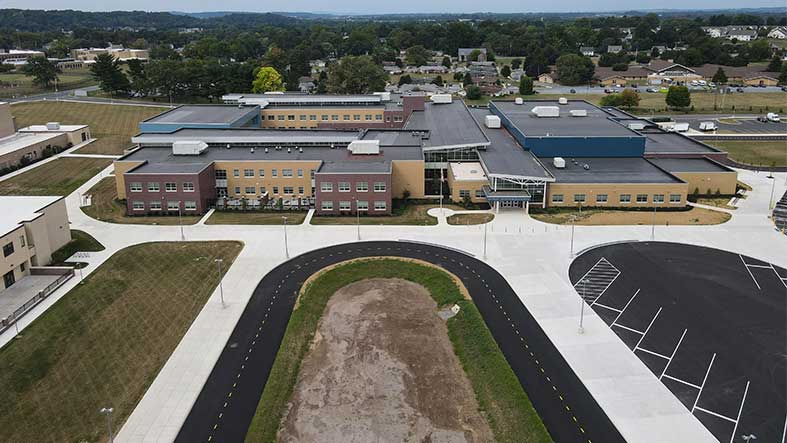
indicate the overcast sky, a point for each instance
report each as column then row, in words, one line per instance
column 396, row 6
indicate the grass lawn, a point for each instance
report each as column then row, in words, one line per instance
column 16, row 84
column 693, row 216
column 105, row 206
column 470, row 219
column 500, row 397
column 103, row 343
column 255, row 218
column 111, row 125
column 58, row 177
column 763, row 153
column 412, row 214
column 80, row 242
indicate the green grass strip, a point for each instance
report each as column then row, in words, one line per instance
column 500, row 396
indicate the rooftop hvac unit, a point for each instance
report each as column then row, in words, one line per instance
column 578, row 112
column 492, row 121
column 518, row 101
column 637, row 126
column 559, row 162
column 384, row 96
column 188, row 147
column 441, row 98
column 546, row 111
column 562, row 101
column 53, row 126
column 365, row 147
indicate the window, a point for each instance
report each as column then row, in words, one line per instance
column 22, row 240
column 311, row 174
column 479, row 193
column 286, row 172
column 23, row 266
column 288, row 190
column 237, row 190
column 271, row 117
column 557, row 198
column 249, row 190
column 344, row 186
column 171, row 187
column 191, row 205
column 658, row 198
column 379, row 186
column 300, row 190
column 601, row 198
column 8, row 278
column 291, row 117
column 188, row 187
column 274, row 172
column 302, row 117
column 173, row 206
column 367, row 117
column 625, row 198
column 138, row 206
column 276, row 190
column 378, row 117
column 344, row 206
column 642, row 198
column 362, row 186
column 579, row 198
column 335, row 117
column 362, row 205
column 397, row 118
column 326, row 187
column 380, row 206
column 262, row 173
column 135, row 187
column 262, row 190
column 8, row 249
column 312, row 117
column 248, row 173
column 326, row 205
column 236, row 172
column 324, row 117
column 464, row 193
column 155, row 205
column 280, row 117
column 300, row 173
column 356, row 116
column 153, row 187
column 675, row 198
column 346, row 117
column 221, row 174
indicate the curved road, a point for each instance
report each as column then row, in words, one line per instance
column 228, row 400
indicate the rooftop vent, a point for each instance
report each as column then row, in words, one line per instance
column 637, row 126
column 266, row 150
column 53, row 126
column 300, row 150
column 586, row 166
column 492, row 121
column 188, row 147
column 366, row 147
column 289, row 150
column 252, row 150
column 562, row 101
column 578, row 112
column 559, row 162
column 441, row 98
column 546, row 111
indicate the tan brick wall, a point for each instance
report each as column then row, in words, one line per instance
column 269, row 181
column 318, row 114
column 20, row 255
column 409, row 175
column 121, row 167
column 465, row 185
column 613, row 191
column 13, row 158
column 725, row 182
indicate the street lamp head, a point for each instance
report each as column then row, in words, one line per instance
column 106, row 410
column 219, row 260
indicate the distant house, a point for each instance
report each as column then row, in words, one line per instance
column 306, row 84
column 483, row 69
column 517, row 74
column 659, row 48
column 680, row 48
column 549, row 77
column 615, row 49
column 587, row 51
column 463, row 54
column 739, row 33
column 432, row 69
column 743, row 35
column 779, row 33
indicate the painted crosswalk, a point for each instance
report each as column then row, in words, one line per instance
column 596, row 281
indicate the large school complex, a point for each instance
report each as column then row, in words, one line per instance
column 342, row 154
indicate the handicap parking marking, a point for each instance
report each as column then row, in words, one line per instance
column 597, row 280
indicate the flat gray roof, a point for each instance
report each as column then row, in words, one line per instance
column 450, row 125
column 596, row 124
column 251, row 135
column 675, row 165
column 203, row 114
column 504, row 156
column 609, row 170
column 671, row 142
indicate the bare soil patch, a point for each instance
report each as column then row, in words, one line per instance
column 382, row 368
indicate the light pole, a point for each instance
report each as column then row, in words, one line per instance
column 286, row 247
column 441, row 191
column 749, row 437
column 573, row 222
column 485, row 241
column 180, row 222
column 219, row 261
column 582, row 307
column 357, row 219
column 773, row 187
column 81, row 276
column 108, row 412
column 653, row 224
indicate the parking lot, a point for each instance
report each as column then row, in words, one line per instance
column 746, row 124
column 708, row 323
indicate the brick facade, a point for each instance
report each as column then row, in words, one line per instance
column 336, row 198
column 145, row 201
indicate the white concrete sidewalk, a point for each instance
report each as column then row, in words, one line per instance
column 532, row 256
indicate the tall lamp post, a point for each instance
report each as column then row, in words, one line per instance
column 653, row 224
column 108, row 413
column 485, row 240
column 773, row 187
column 219, row 261
column 286, row 247
column 357, row 219
column 582, row 307
column 573, row 222
column 180, row 222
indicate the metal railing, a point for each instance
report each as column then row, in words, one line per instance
column 7, row 322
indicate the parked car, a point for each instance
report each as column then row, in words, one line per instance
column 784, row 88
column 708, row 126
column 573, row 91
column 773, row 117
column 739, row 89
column 651, row 90
column 607, row 91
column 762, row 119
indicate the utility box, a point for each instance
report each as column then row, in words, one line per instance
column 562, row 101
column 53, row 126
column 559, row 162
column 578, row 112
column 364, row 147
column 546, row 111
column 441, row 98
column 492, row 121
column 188, row 147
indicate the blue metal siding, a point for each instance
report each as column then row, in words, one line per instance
column 586, row 147
column 512, row 129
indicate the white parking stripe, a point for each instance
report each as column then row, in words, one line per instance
column 681, row 381
column 675, row 351
column 715, row 414
column 627, row 328
column 737, row 420
column 702, row 386
column 624, row 307
column 749, row 271
column 606, row 307
column 648, row 329
column 652, row 353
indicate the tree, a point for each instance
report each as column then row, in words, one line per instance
column 719, row 77
column 574, row 69
column 138, row 79
column 438, row 81
column 783, row 74
column 643, row 58
column 267, row 79
column 759, row 50
column 629, row 99
column 43, row 71
column 106, row 70
column 275, row 58
column 775, row 65
column 356, row 75
column 467, row 80
column 525, row 85
column 447, row 62
column 505, row 71
column 405, row 79
column 516, row 63
column 416, row 55
column 473, row 92
column 474, row 54
column 678, row 97
column 620, row 67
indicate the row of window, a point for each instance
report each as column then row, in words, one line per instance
column 325, row 117
column 624, row 198
column 157, row 205
column 221, row 174
column 251, row 190
column 347, row 206
column 345, row 186
column 464, row 193
column 156, row 187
